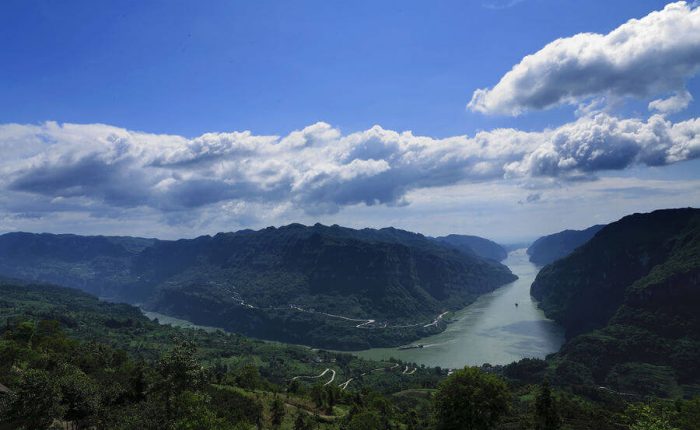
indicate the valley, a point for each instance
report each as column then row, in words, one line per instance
column 490, row 330
column 373, row 215
column 622, row 336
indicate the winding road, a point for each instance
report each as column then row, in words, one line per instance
column 370, row 323
column 317, row 376
column 345, row 384
column 436, row 321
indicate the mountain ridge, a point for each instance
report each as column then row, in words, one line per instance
column 276, row 283
column 547, row 249
column 480, row 246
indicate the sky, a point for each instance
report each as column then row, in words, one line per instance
column 503, row 118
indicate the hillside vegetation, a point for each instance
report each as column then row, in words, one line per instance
column 70, row 358
column 629, row 301
column 71, row 361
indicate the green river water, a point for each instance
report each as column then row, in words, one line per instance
column 490, row 330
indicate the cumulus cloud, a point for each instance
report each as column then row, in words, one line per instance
column 107, row 170
column 642, row 58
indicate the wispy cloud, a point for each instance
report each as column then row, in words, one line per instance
column 500, row 4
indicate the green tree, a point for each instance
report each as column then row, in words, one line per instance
column 302, row 422
column 35, row 403
column 179, row 371
column 365, row 420
column 248, row 377
column 195, row 414
column 258, row 415
column 277, row 412
column 49, row 336
column 80, row 396
column 332, row 395
column 546, row 413
column 22, row 333
column 470, row 399
column 645, row 417
column 318, row 395
column 138, row 383
column 688, row 412
column 412, row 420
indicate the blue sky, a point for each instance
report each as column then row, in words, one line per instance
column 185, row 68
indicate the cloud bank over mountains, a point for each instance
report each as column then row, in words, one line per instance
column 110, row 172
column 316, row 169
column 642, row 58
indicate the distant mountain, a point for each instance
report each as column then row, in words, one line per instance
column 548, row 249
column 100, row 265
column 477, row 245
column 629, row 300
column 323, row 286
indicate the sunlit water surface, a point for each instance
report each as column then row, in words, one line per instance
column 490, row 330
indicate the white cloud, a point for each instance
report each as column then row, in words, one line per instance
column 673, row 104
column 642, row 58
column 108, row 171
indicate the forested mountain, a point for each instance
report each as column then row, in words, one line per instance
column 324, row 286
column 629, row 301
column 476, row 245
column 548, row 249
column 101, row 265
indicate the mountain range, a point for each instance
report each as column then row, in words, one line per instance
column 326, row 286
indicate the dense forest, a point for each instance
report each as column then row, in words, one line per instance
column 311, row 285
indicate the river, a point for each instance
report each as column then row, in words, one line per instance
column 490, row 330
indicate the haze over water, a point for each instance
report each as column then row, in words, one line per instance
column 490, row 330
